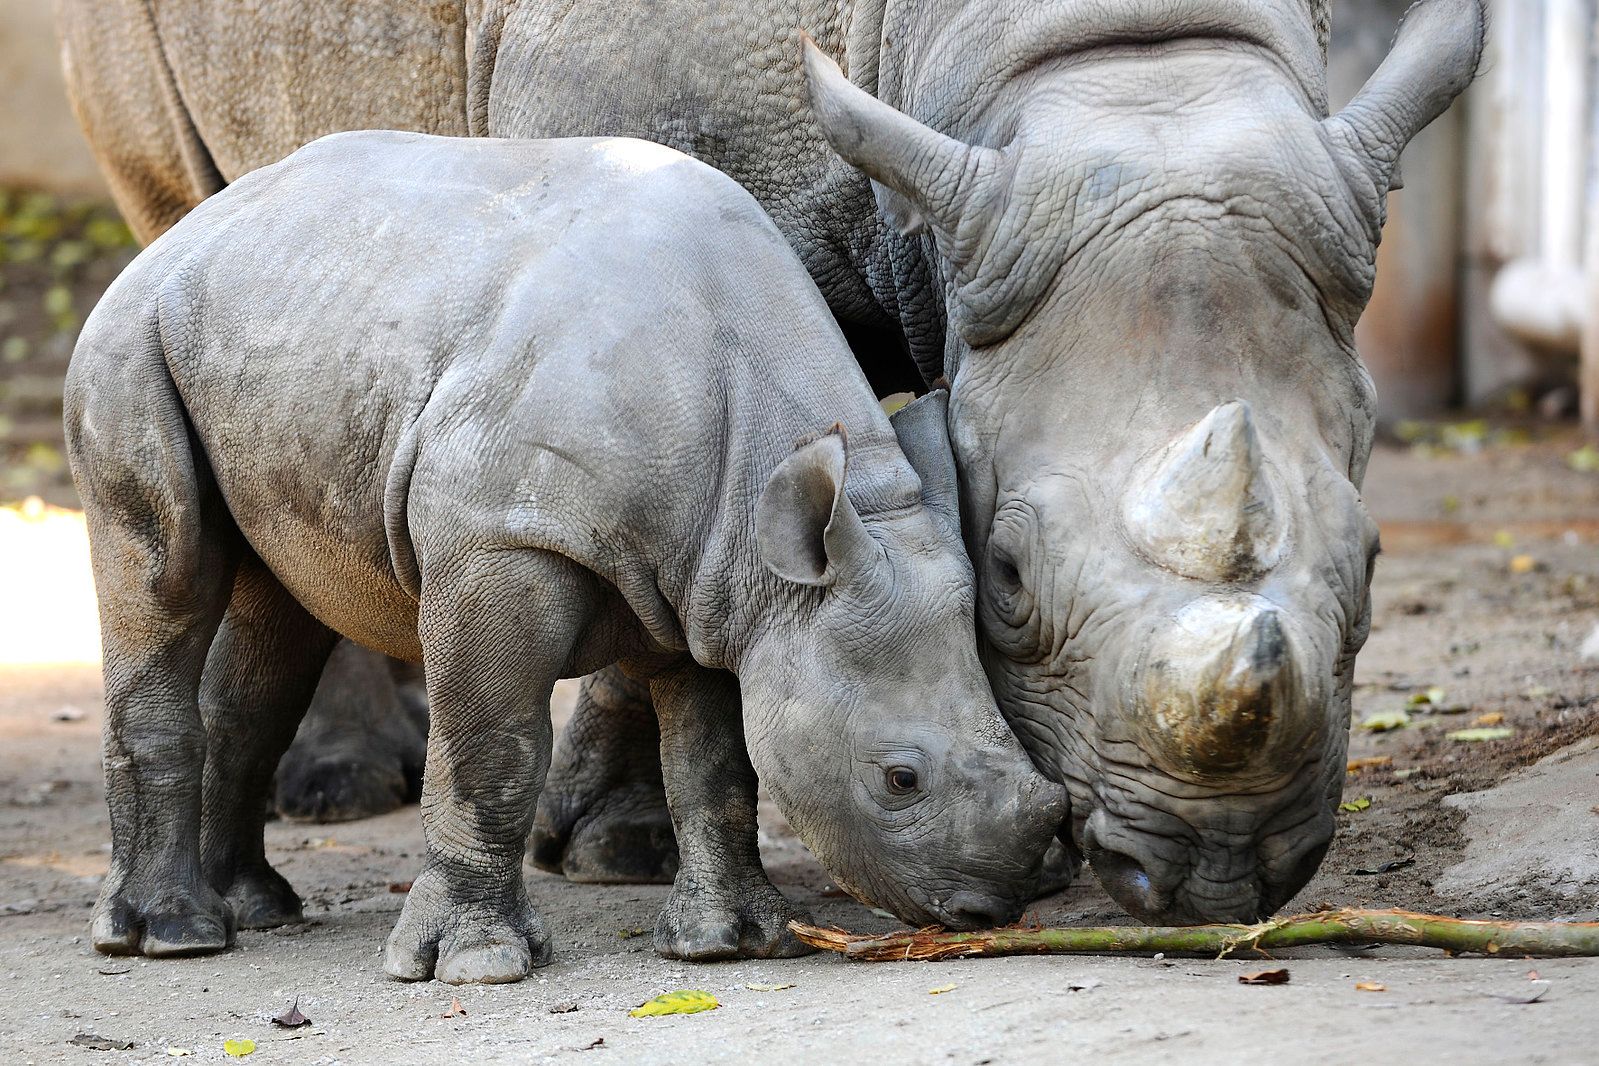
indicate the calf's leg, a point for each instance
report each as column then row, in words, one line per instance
column 498, row 628
column 258, row 680
column 722, row 905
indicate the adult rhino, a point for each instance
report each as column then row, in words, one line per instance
column 1126, row 232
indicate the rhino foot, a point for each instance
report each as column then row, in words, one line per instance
column 618, row 837
column 484, row 941
column 160, row 917
column 262, row 899
column 361, row 748
column 701, row 926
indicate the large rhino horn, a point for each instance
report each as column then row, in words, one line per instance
column 1218, row 690
column 1204, row 507
column 938, row 180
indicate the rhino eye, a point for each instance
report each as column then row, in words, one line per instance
column 902, row 780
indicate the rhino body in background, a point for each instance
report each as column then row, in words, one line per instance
column 1127, row 233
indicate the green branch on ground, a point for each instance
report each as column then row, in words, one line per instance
column 1343, row 926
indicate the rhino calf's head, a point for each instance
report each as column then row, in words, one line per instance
column 1153, row 243
column 867, row 712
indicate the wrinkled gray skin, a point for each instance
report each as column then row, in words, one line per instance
column 1127, row 233
column 519, row 410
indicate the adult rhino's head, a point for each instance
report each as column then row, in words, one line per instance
column 1153, row 249
column 867, row 711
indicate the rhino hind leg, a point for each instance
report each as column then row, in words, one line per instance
column 602, row 818
column 259, row 677
column 360, row 750
column 722, row 905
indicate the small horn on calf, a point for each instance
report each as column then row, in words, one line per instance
column 1204, row 507
column 1218, row 688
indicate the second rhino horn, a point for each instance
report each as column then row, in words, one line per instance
column 1204, row 507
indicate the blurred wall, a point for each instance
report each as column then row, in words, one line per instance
column 39, row 140
column 1409, row 336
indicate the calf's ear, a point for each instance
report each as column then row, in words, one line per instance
column 922, row 427
column 806, row 529
column 1433, row 58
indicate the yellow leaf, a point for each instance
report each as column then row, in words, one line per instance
column 940, row 990
column 1431, row 698
column 1523, row 564
column 1383, row 721
column 1356, row 805
column 1474, row 735
column 1503, row 539
column 767, row 988
column 686, row 1001
column 1370, row 986
column 238, row 1048
column 1491, row 718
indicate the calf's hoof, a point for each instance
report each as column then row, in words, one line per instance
column 343, row 787
column 439, row 935
column 699, row 926
column 262, row 899
column 605, row 838
column 161, row 924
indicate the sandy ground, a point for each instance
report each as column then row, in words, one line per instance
column 1488, row 590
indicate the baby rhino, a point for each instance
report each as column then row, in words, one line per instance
column 518, row 410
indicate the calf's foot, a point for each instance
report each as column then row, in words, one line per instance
column 160, row 917
column 460, row 940
column 701, row 925
column 602, row 817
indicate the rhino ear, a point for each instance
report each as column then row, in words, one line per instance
column 1433, row 58
column 806, row 529
column 922, row 427
column 923, row 178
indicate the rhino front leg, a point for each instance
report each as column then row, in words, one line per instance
column 360, row 749
column 602, row 818
column 722, row 905
column 259, row 677
column 498, row 629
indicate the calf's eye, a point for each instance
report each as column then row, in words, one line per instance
column 901, row 780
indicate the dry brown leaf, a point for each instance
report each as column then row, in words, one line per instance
column 1370, row 986
column 1264, row 977
column 455, row 1011
column 291, row 1018
column 1491, row 718
column 1371, row 762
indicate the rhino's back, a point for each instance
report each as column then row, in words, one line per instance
column 386, row 302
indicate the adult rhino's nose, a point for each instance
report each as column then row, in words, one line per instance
column 976, row 910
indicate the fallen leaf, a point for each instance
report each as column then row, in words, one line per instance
column 1370, row 986
column 1477, row 735
column 1538, row 692
column 767, row 988
column 1503, row 539
column 566, row 1007
column 1370, row 762
column 100, row 1043
column 1523, row 564
column 1388, row 867
column 239, row 1048
column 291, row 1018
column 1432, row 697
column 1264, row 977
column 113, row 970
column 455, row 1011
column 399, row 888
column 940, row 990
column 1491, row 718
column 598, row 1041
column 1585, row 460
column 1534, row 992
column 629, row 934
column 1355, row 805
column 178, row 1052
column 1384, row 721
column 684, row 1001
